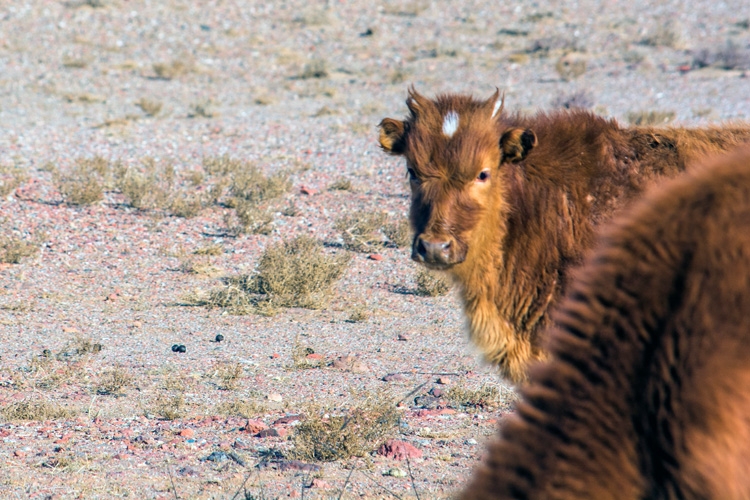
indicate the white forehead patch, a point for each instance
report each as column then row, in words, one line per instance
column 450, row 124
column 498, row 105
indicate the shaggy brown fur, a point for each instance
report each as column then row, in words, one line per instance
column 507, row 203
column 647, row 392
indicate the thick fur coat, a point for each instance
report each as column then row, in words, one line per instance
column 507, row 204
column 647, row 391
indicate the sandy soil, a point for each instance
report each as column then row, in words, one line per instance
column 296, row 86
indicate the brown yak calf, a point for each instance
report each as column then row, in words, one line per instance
column 647, row 390
column 507, row 203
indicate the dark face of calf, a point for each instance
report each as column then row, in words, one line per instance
column 453, row 148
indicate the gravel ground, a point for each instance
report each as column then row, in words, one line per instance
column 291, row 86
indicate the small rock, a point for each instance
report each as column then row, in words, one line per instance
column 443, row 380
column 399, row 450
column 375, row 256
column 314, row 356
column 308, row 190
column 319, row 483
column 254, row 426
column 266, row 433
column 471, row 442
column 438, row 393
column 187, row 471
column 288, row 419
column 137, row 324
column 178, row 348
column 393, row 377
column 219, row 337
column 275, row 397
column 187, row 433
column 275, row 355
column 19, row 454
column 426, row 401
column 395, row 472
column 217, row 456
column 402, row 337
column 286, row 465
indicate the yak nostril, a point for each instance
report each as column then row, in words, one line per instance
column 432, row 251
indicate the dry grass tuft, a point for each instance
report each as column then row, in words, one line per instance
column 431, row 283
column 327, row 435
column 113, row 382
column 171, row 70
column 399, row 233
column 36, row 410
column 168, row 407
column 359, row 314
column 317, row 68
column 650, row 117
column 147, row 187
column 85, row 183
column 12, row 249
column 295, row 273
column 341, row 184
column 486, row 397
column 212, row 249
column 361, row 230
column 228, row 376
column 10, row 179
column 251, row 185
column 151, row 108
column 300, row 358
column 241, row 408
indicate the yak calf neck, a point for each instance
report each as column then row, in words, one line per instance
column 506, row 204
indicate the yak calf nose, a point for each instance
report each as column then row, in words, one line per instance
column 433, row 251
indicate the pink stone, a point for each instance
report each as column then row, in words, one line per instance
column 399, row 450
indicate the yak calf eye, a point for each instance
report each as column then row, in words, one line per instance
column 484, row 175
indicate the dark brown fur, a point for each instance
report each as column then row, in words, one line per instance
column 509, row 235
column 647, row 392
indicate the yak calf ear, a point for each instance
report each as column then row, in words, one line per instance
column 392, row 136
column 516, row 144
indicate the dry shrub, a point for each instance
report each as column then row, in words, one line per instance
column 112, row 382
column 172, row 70
column 294, row 273
column 240, row 408
column 314, row 69
column 149, row 186
column 12, row 250
column 168, row 407
column 223, row 165
column 10, row 179
column 731, row 56
column 212, row 249
column 359, row 315
column 668, row 34
column 202, row 109
column 185, row 205
column 650, row 117
column 300, row 359
column 341, row 184
column 36, row 410
column 86, row 182
column 151, row 108
column 228, row 375
column 325, row 436
column 361, row 230
column 431, row 283
column 399, row 233
column 253, row 186
column 461, row 397
column 250, row 217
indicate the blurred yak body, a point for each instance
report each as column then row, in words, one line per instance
column 506, row 203
column 647, row 390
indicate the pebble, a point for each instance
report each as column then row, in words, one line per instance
column 266, row 433
column 399, row 450
column 395, row 472
column 217, row 456
column 187, row 433
column 178, row 348
column 254, row 426
column 219, row 337
column 375, row 256
column 393, row 377
column 471, row 442
column 275, row 397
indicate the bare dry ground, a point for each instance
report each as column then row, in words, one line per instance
column 150, row 154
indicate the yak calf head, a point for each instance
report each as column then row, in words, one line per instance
column 455, row 147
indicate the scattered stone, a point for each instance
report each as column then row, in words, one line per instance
column 275, row 397
column 314, row 356
column 375, row 256
column 187, row 433
column 471, row 442
column 443, row 380
column 395, row 472
column 402, row 337
column 217, row 456
column 426, row 401
column 350, row 363
column 288, row 419
column 187, row 471
column 265, row 433
column 319, row 483
column 438, row 393
column 393, row 377
column 308, row 190
column 399, row 450
column 254, row 426
column 219, row 338
column 46, row 353
column 178, row 348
